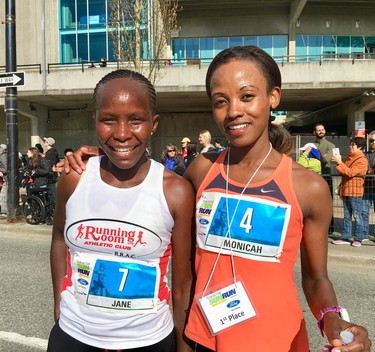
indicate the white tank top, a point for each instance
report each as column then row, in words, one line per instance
column 115, row 294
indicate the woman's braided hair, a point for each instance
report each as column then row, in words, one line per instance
column 123, row 73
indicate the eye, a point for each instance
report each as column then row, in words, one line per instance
column 247, row 96
column 136, row 120
column 108, row 120
column 219, row 102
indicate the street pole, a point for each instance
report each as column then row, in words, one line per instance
column 11, row 111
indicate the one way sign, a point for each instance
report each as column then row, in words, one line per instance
column 12, row 79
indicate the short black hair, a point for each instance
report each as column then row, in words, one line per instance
column 360, row 142
column 122, row 73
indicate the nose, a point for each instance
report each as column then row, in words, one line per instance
column 234, row 109
column 122, row 131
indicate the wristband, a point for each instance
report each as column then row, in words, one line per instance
column 335, row 309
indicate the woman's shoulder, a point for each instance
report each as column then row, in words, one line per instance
column 307, row 183
column 198, row 168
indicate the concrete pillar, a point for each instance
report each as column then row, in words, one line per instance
column 292, row 42
column 355, row 119
column 38, row 116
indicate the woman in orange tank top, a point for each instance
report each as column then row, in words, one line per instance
column 255, row 209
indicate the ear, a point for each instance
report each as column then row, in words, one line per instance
column 275, row 97
column 155, row 123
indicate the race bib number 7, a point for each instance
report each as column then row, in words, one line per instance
column 116, row 285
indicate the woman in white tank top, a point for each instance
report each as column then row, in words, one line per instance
column 113, row 233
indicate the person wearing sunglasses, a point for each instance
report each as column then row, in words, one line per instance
column 369, row 195
column 172, row 160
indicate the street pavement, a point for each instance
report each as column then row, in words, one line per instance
column 18, row 314
column 364, row 255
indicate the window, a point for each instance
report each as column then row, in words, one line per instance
column 192, row 48
column 314, row 47
column 220, row 44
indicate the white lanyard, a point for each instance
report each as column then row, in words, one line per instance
column 229, row 222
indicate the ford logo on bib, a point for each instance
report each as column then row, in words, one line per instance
column 233, row 303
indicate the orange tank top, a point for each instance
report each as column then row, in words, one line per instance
column 265, row 230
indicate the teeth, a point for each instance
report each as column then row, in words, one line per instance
column 123, row 150
column 238, row 127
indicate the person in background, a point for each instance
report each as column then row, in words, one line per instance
column 113, row 293
column 184, row 143
column 326, row 151
column 353, row 170
column 205, row 141
column 103, row 62
column 369, row 192
column 192, row 153
column 172, row 160
column 219, row 145
column 3, row 181
column 310, row 158
column 51, row 155
column 40, row 148
column 37, row 168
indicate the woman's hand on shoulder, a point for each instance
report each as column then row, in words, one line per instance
column 76, row 161
column 197, row 170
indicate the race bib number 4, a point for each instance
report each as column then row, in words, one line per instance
column 116, row 285
column 257, row 226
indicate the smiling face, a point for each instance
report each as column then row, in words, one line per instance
column 241, row 102
column 124, row 121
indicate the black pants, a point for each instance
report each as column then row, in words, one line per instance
column 59, row 341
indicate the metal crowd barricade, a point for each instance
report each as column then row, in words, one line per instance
column 338, row 207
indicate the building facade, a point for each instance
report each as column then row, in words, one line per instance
column 325, row 49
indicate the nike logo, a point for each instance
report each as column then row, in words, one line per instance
column 267, row 190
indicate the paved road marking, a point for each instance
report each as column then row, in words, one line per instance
column 23, row 340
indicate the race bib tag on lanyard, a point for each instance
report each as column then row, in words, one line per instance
column 226, row 307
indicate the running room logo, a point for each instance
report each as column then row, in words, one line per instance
column 113, row 236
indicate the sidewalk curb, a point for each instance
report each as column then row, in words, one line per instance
column 345, row 255
column 351, row 260
column 22, row 228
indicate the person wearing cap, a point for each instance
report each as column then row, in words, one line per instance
column 52, row 157
column 310, row 158
column 51, row 154
column 184, row 143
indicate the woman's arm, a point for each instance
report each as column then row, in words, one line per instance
column 181, row 198
column 58, row 250
column 313, row 192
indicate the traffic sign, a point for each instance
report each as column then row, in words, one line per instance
column 12, row 79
